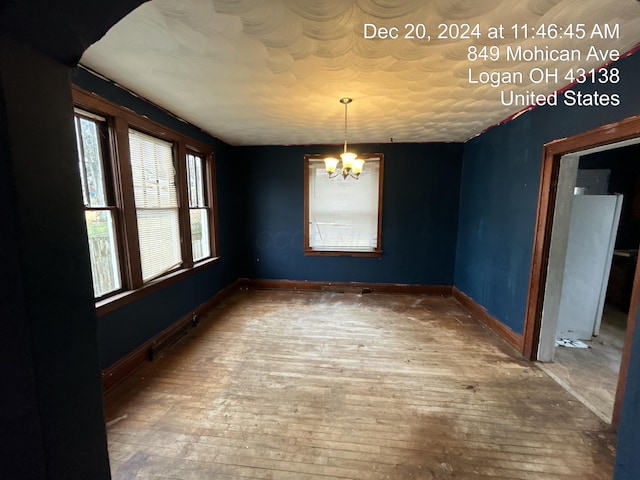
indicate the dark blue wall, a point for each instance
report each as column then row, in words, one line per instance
column 627, row 466
column 497, row 208
column 419, row 215
column 121, row 331
column 51, row 413
column 498, row 201
column 21, row 432
column 499, row 194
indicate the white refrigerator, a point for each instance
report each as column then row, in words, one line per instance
column 592, row 237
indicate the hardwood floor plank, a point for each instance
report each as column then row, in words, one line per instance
column 311, row 385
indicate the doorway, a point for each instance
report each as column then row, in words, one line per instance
column 597, row 280
column 560, row 161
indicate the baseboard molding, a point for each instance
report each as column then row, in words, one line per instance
column 516, row 340
column 316, row 286
column 120, row 370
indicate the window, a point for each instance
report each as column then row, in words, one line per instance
column 149, row 196
column 156, row 201
column 97, row 193
column 343, row 216
column 198, row 207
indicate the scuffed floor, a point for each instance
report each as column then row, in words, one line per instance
column 293, row 385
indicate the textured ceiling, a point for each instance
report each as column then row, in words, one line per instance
column 271, row 72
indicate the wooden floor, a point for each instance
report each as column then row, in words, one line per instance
column 591, row 374
column 290, row 385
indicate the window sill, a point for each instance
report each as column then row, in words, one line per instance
column 344, row 253
column 121, row 299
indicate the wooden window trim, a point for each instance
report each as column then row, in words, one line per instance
column 308, row 251
column 119, row 121
column 124, row 184
column 183, row 201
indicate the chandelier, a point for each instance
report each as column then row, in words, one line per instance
column 351, row 164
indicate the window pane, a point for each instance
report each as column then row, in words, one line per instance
column 156, row 202
column 196, row 181
column 104, row 254
column 200, row 198
column 91, row 168
column 200, row 244
column 191, row 179
column 343, row 214
column 81, row 166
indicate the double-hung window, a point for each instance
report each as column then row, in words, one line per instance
column 98, row 197
column 343, row 216
column 149, row 195
column 199, row 213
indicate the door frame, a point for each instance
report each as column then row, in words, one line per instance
column 626, row 129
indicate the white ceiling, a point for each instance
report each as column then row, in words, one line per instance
column 271, row 72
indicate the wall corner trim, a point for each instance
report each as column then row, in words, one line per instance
column 516, row 340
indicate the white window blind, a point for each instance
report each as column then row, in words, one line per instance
column 343, row 214
column 156, row 202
